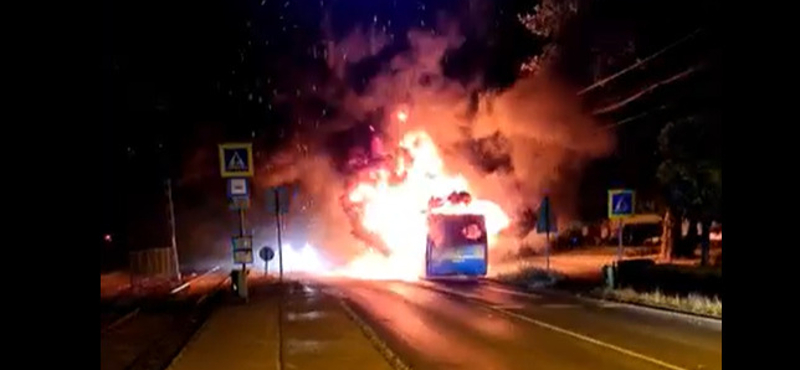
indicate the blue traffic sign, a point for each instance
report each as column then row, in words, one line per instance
column 266, row 254
column 236, row 160
column 237, row 187
column 546, row 222
column 621, row 203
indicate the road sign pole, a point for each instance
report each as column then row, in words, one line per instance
column 241, row 229
column 547, row 239
column 619, row 237
column 280, row 278
column 280, row 244
column 244, row 265
column 174, row 242
column 547, row 251
column 236, row 165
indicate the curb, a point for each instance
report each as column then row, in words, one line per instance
column 391, row 357
column 665, row 310
column 704, row 319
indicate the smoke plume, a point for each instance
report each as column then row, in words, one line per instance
column 514, row 146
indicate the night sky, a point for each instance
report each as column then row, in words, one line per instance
column 183, row 75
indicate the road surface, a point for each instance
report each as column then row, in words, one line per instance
column 490, row 326
column 147, row 331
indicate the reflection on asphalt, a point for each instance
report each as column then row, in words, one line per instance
column 433, row 330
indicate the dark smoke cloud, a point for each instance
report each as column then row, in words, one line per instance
column 514, row 146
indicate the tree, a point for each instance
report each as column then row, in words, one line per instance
column 548, row 20
column 691, row 173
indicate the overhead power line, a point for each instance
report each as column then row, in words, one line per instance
column 617, row 105
column 640, row 63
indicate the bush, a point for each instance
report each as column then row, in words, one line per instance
column 693, row 303
column 529, row 275
column 671, row 279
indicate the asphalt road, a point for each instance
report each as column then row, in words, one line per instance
column 147, row 331
column 489, row 326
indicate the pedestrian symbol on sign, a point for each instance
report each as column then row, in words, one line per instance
column 236, row 160
column 620, row 203
column 236, row 163
column 621, row 206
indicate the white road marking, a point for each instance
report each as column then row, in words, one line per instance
column 513, row 292
column 592, row 340
column 178, row 289
column 119, row 321
column 611, row 305
column 188, row 283
column 570, row 333
column 509, row 306
column 559, row 305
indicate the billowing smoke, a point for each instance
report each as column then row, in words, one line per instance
column 514, row 146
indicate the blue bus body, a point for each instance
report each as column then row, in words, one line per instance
column 457, row 246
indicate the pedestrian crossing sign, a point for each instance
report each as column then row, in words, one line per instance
column 236, row 160
column 620, row 203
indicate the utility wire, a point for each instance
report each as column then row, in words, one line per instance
column 615, row 106
column 640, row 63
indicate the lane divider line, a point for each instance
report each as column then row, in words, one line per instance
column 585, row 338
column 120, row 321
column 391, row 357
column 181, row 287
column 189, row 282
column 513, row 292
column 561, row 330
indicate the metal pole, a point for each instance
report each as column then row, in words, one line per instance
column 619, row 237
column 280, row 327
column 547, row 250
column 241, row 233
column 547, row 237
column 280, row 245
column 280, row 280
column 174, row 241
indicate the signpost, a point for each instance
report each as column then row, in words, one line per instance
column 278, row 201
column 545, row 224
column 266, row 254
column 621, row 204
column 236, row 160
column 236, row 165
column 242, row 249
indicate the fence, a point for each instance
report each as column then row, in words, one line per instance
column 152, row 265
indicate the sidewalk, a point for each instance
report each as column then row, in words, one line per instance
column 317, row 334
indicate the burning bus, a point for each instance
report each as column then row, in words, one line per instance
column 415, row 218
column 457, row 242
column 457, row 246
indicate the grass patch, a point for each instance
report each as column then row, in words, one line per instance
column 528, row 274
column 692, row 303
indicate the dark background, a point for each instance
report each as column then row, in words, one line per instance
column 181, row 76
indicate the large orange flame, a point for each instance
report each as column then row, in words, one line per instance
column 395, row 204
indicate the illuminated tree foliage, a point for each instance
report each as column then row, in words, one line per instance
column 691, row 173
column 547, row 20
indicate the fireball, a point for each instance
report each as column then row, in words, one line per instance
column 394, row 201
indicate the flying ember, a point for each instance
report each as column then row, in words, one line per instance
column 391, row 199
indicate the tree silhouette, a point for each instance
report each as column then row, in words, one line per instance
column 691, row 173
